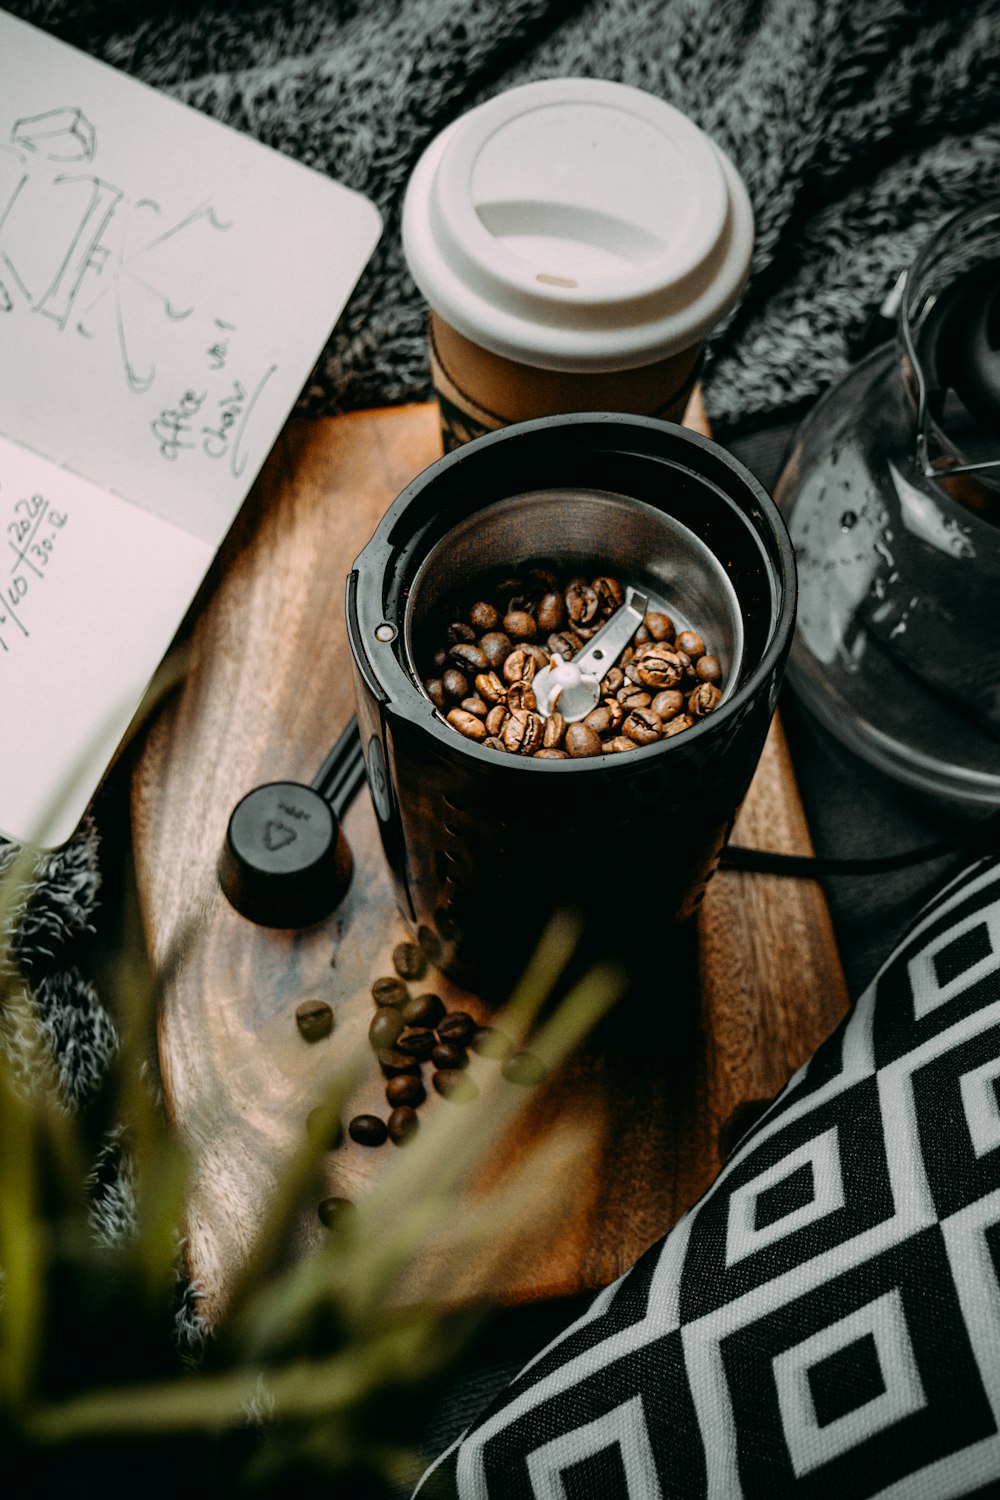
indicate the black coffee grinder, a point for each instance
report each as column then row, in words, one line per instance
column 484, row 846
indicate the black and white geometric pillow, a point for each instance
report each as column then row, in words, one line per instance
column 826, row 1320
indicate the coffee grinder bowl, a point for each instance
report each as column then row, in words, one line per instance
column 484, row 846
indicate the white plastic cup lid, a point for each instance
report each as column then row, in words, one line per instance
column 577, row 224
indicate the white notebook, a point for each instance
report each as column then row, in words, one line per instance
column 166, row 286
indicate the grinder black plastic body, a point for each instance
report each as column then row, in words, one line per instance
column 483, row 846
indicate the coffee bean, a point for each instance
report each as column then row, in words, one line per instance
column 549, row 754
column 581, row 741
column 489, row 1042
column 687, row 666
column 620, row 743
column 434, row 688
column 616, row 713
column 582, row 603
column 392, row 1061
column 332, row 1211
column 458, row 633
column 691, row 643
column 643, row 726
column 454, row 1085
column 496, row 647
column 490, row 688
column 405, row 1088
column 449, row 1055
column 493, row 742
column 314, row 1019
column 497, row 718
column 641, row 636
column 440, row 659
column 385, row 1027
column 555, row 730
column 324, row 1129
column 483, row 616
column 456, row 1026
column 562, row 643
column 610, row 594
column 519, row 625
column 707, row 668
column 390, row 991
column 702, row 699
column 367, row 1130
column 429, row 942
column 520, row 666
column 474, row 706
column 658, row 667
column 551, row 612
column 467, row 724
column 668, row 703
column 418, row 1041
column 632, row 696
column 402, row 1123
column 455, row 683
column 408, row 961
column 521, row 695
column 612, row 681
column 539, row 655
column 523, row 731
column 471, row 659
column 423, row 1010
column 677, row 726
column 524, row 1067
column 599, row 719
column 660, row 626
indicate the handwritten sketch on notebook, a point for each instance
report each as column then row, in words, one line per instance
column 166, row 285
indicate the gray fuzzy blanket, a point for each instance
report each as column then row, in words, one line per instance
column 858, row 125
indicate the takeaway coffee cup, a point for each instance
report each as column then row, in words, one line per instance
column 576, row 240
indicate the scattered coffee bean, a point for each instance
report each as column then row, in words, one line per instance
column 619, row 743
column 524, row 1067
column 434, row 688
column 402, row 1123
column 599, row 719
column 493, row 742
column 469, row 659
column 314, row 1019
column 393, row 1062
column 454, row 1085
column 613, row 680
column 520, row 625
column 551, row 612
column 385, row 1027
column 582, row 603
column 520, row 666
column 677, row 725
column 521, row 695
column 408, row 961
column 658, row 667
column 490, row 688
column 423, row 1010
column 460, row 633
column 418, row 1042
column 367, row 1130
column 457, row 1026
column 549, row 754
column 496, row 719
column 390, row 991
column 610, row 594
column 449, row 1055
column 555, row 730
column 563, row 644
column 632, row 696
column 488, row 1041
column 523, row 731
column 332, row 1211
column 440, row 659
column 405, row 1088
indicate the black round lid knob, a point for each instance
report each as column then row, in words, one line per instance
column 285, row 861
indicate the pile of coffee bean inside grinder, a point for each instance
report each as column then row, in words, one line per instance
column 485, row 843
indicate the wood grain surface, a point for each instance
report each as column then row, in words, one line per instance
column 268, row 692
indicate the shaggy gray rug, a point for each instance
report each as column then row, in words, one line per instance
column 858, row 125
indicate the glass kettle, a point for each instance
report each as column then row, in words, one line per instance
column 892, row 498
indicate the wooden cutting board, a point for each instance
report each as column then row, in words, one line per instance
column 269, row 690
